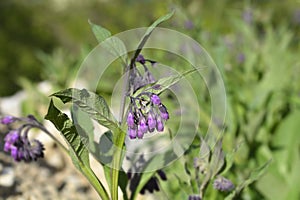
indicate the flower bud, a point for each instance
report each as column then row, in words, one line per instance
column 159, row 125
column 223, row 184
column 130, row 120
column 8, row 120
column 140, row 59
column 155, row 99
column 140, row 134
column 11, row 137
column 163, row 112
column 151, row 122
column 131, row 133
column 143, row 126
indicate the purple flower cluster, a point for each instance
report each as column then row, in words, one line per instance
column 146, row 113
column 17, row 142
column 139, row 78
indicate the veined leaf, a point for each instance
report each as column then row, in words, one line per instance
column 147, row 35
column 84, row 127
column 111, row 43
column 100, row 32
column 94, row 105
column 69, row 132
column 164, row 83
column 77, row 150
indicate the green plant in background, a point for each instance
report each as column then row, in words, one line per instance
column 256, row 50
column 203, row 163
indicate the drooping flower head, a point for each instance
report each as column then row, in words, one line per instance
column 17, row 143
column 146, row 111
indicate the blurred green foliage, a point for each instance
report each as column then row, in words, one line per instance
column 254, row 43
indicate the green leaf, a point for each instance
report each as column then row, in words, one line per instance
column 62, row 123
column 164, row 83
column 123, row 181
column 148, row 33
column 217, row 159
column 230, row 158
column 94, row 105
column 84, row 126
column 77, row 150
column 111, row 43
column 100, row 32
column 254, row 176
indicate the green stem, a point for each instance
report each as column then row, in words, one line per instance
column 119, row 138
column 41, row 127
column 94, row 181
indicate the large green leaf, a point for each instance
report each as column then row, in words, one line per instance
column 94, row 105
column 147, row 35
column 77, row 149
column 84, row 126
column 66, row 127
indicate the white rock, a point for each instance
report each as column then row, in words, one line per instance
column 7, row 177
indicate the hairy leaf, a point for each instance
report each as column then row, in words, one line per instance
column 164, row 83
column 77, row 150
column 94, row 105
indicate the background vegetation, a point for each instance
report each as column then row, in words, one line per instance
column 254, row 43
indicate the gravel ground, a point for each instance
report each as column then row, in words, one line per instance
column 42, row 179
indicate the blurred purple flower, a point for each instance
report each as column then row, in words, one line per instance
column 223, row 184
column 189, row 24
column 248, row 16
column 16, row 141
column 241, row 58
column 194, row 197
column 7, row 120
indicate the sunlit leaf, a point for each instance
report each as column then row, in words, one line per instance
column 77, row 149
column 164, row 83
column 94, row 105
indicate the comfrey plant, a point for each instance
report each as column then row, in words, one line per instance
column 147, row 113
